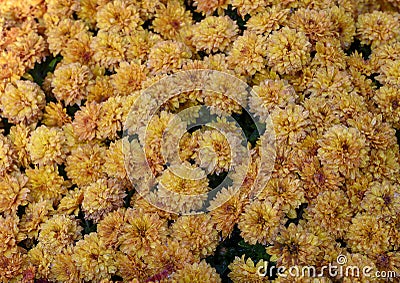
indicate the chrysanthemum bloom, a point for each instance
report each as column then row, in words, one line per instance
column 332, row 212
column 321, row 113
column 12, row 68
column 141, row 232
column 101, row 197
column 19, row 136
column 357, row 63
column 59, row 232
column 384, row 164
column 85, row 163
column 356, row 189
column 197, row 233
column 118, row 16
column 329, row 53
column 196, row 273
column 69, row 83
column 12, row 267
column 215, row 151
column 35, row 214
column 388, row 100
column 47, row 146
column 100, row 89
column 8, row 233
column 225, row 210
column 208, row 7
column 315, row 24
column 128, row 77
column 114, row 165
column 328, row 81
column 45, row 183
column 284, row 193
column 39, row 258
column 8, row 155
column 86, row 121
column 381, row 199
column 64, row 268
column 250, row 7
column 22, row 101
column 77, row 49
column 110, row 227
column 247, row 54
column 70, row 203
column 94, row 261
column 167, row 56
column 168, row 257
column 316, row 178
column 132, row 268
column 348, row 106
column 389, row 74
column 295, row 245
column 62, row 8
column 290, row 124
column 55, row 115
column 384, row 54
column 267, row 20
column 243, row 270
column 170, row 18
column 377, row 28
column 368, row 234
column 13, row 192
column 139, row 44
column 343, row 150
column 109, row 49
column 58, row 35
column 271, row 94
column 260, row 222
column 214, row 34
column 287, row 51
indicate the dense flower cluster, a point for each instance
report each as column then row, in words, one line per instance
column 327, row 73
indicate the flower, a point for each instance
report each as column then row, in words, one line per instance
column 70, row 203
column 377, row 27
column 196, row 273
column 13, row 192
column 260, row 222
column 245, row 7
column 110, row 227
column 22, row 101
column 389, row 74
column 343, row 150
column 93, row 260
column 8, row 233
column 36, row 213
column 128, row 77
column 247, row 54
column 197, row 233
column 77, row 49
column 64, row 268
column 243, row 270
column 214, row 34
column 170, row 19
column 101, row 197
column 287, row 51
column 268, row 20
column 209, row 6
column 69, row 83
column 388, row 101
column 55, row 115
column 86, row 121
column 47, row 146
column 19, row 136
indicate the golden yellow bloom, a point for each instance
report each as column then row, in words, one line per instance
column 110, row 227
column 171, row 18
column 11, row 267
column 329, row 53
column 377, row 28
column 64, row 268
column 77, row 49
column 141, row 232
column 85, row 163
column 214, row 34
column 47, row 146
column 287, row 51
column 100, row 89
column 139, row 44
column 243, row 270
column 250, row 7
column 8, row 233
column 128, row 77
column 196, row 273
column 384, row 163
column 197, row 233
column 19, row 135
column 55, row 115
column 343, row 150
column 93, row 260
column 114, row 165
column 101, row 197
column 118, row 16
column 45, row 183
column 367, row 234
column 35, row 214
column 13, row 192
column 58, row 233
column 388, row 100
column 23, row 102
column 41, row 260
column 383, row 54
column 208, row 7
column 70, row 203
column 345, row 27
column 167, row 56
column 260, row 222
column 12, row 68
column 69, row 83
column 285, row 194
column 357, row 259
column 329, row 81
column 8, row 155
column 86, row 122
column 267, row 20
column 62, row 8
column 247, row 54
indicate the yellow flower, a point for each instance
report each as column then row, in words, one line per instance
column 35, row 214
column 243, row 270
column 86, row 122
column 208, row 7
column 13, row 192
column 388, row 100
column 128, row 77
column 19, row 135
column 196, row 273
column 23, row 102
column 55, row 115
column 267, row 20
